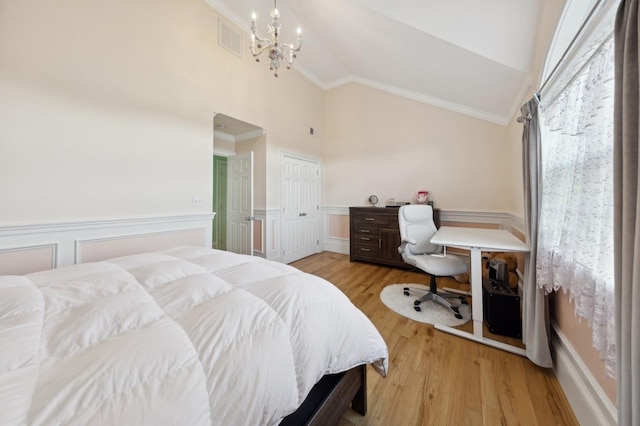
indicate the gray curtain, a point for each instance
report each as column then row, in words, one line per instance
column 535, row 304
column 626, row 214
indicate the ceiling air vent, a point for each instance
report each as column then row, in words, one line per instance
column 229, row 39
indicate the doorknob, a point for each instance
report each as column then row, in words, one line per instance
column 249, row 218
column 302, row 214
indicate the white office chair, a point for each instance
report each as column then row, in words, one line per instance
column 416, row 230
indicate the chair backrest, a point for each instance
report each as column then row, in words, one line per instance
column 416, row 223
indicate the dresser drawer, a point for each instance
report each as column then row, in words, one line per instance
column 366, row 249
column 366, row 231
column 371, row 219
column 366, row 238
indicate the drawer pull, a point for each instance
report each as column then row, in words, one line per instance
column 370, row 219
column 365, row 230
column 365, row 238
column 364, row 249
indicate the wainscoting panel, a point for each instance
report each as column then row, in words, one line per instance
column 258, row 236
column 269, row 233
column 24, row 260
column 335, row 229
column 37, row 247
column 97, row 249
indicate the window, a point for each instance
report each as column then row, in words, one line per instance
column 575, row 242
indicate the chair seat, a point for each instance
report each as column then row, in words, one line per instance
column 446, row 266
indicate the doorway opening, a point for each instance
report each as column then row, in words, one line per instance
column 234, row 140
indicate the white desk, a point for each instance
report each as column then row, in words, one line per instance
column 477, row 240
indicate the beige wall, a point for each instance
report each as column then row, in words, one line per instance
column 106, row 110
column 383, row 144
column 514, row 154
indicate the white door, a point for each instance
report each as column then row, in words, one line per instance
column 240, row 203
column 300, row 208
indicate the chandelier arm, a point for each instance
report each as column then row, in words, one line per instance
column 262, row 40
column 290, row 49
column 256, row 52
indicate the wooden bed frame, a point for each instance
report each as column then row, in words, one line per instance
column 330, row 397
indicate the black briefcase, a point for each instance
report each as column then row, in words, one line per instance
column 501, row 309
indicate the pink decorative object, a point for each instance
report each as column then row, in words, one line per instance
column 422, row 197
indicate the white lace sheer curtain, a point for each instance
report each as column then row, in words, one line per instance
column 575, row 247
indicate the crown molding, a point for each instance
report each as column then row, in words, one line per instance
column 430, row 100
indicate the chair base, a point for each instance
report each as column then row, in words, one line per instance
column 438, row 297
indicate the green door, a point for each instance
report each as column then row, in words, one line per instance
column 220, row 202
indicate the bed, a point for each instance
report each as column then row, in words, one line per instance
column 188, row 336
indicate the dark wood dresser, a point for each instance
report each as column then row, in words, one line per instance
column 374, row 235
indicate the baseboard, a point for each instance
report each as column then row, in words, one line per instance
column 336, row 246
column 589, row 402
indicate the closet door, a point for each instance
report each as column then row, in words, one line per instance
column 300, row 208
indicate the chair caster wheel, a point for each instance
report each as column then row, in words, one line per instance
column 417, row 308
column 456, row 312
column 405, row 291
column 463, row 301
column 416, row 303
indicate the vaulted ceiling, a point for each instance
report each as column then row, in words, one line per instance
column 466, row 55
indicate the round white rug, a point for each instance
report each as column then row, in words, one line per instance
column 432, row 313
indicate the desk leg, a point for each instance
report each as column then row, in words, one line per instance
column 477, row 311
column 476, row 291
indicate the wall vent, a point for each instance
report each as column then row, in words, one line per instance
column 229, row 39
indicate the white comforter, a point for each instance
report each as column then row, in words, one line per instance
column 189, row 336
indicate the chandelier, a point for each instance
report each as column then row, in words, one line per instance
column 277, row 51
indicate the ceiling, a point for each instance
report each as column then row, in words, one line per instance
column 467, row 55
column 234, row 130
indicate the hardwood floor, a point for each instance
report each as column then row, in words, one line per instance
column 435, row 378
